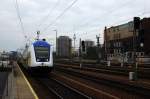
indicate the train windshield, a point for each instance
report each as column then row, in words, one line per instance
column 42, row 54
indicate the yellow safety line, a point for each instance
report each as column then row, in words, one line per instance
column 33, row 92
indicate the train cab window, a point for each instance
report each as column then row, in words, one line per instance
column 42, row 54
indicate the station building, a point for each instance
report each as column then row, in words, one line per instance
column 120, row 41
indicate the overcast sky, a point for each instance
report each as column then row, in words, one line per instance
column 86, row 18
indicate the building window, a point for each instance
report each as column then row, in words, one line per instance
column 114, row 36
column 114, row 51
column 114, row 44
column 109, row 55
column 119, row 51
column 118, row 28
column 108, row 38
column 113, row 29
column 118, row 36
column 117, row 44
column 142, row 53
column 120, row 44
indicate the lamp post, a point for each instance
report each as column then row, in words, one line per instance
column 56, row 41
column 74, row 38
column 38, row 35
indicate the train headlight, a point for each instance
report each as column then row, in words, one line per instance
column 38, row 60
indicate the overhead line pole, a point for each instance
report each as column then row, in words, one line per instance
column 56, row 43
column 80, row 53
column 19, row 17
column 98, row 48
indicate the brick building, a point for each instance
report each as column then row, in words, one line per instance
column 119, row 41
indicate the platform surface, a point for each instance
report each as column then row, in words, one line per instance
column 3, row 82
column 22, row 89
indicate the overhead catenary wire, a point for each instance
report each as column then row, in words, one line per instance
column 19, row 17
column 49, row 14
column 21, row 23
column 125, row 20
column 60, row 15
column 131, row 18
column 107, row 13
column 91, row 34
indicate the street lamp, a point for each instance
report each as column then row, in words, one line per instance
column 38, row 35
column 56, row 41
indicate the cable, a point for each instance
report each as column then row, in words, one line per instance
column 108, row 12
column 140, row 14
column 49, row 14
column 61, row 14
column 19, row 17
column 129, row 19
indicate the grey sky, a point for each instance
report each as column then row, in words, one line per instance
column 86, row 18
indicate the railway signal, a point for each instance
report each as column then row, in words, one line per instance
column 80, row 53
column 83, row 46
column 136, row 22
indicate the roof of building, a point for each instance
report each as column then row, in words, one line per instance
column 122, row 26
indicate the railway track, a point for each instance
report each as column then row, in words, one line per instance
column 108, row 81
column 78, row 84
column 83, row 87
column 99, row 70
column 108, row 70
column 50, row 88
column 61, row 90
column 95, row 64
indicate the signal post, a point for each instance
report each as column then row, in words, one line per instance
column 81, row 51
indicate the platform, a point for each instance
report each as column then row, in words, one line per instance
column 14, row 85
column 5, row 80
column 22, row 88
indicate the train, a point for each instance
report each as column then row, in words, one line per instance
column 37, row 57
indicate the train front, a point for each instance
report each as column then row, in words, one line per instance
column 41, row 57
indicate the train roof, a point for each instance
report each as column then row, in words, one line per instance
column 41, row 43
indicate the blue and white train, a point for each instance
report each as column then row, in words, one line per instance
column 38, row 57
